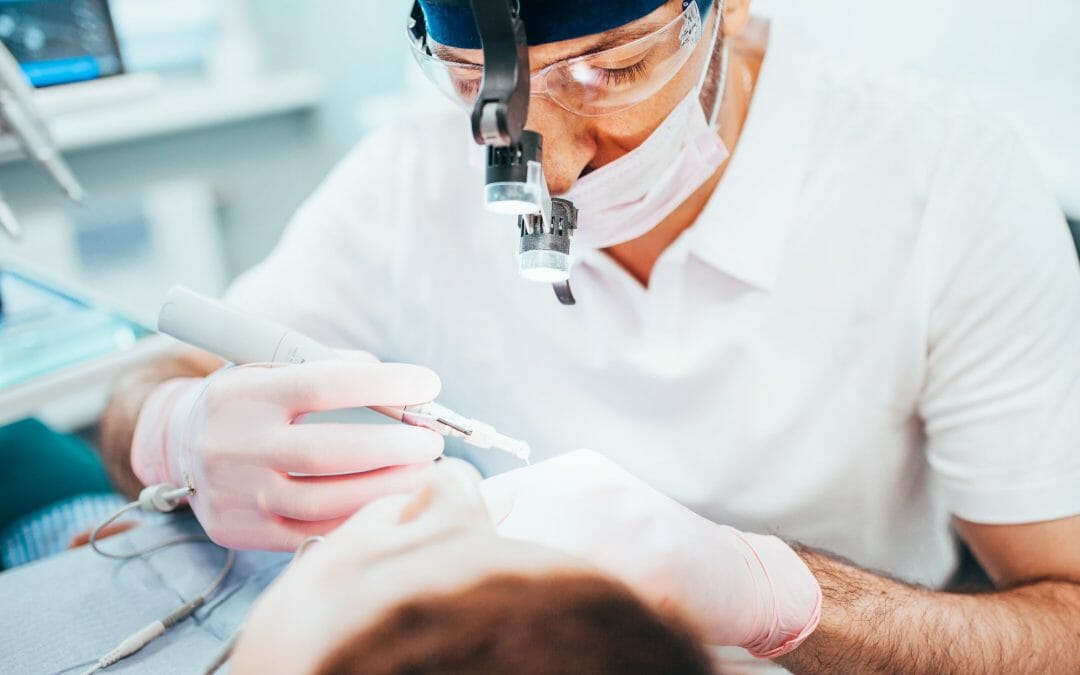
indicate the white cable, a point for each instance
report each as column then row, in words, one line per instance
column 129, row 646
column 156, row 499
column 161, row 498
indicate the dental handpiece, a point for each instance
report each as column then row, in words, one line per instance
column 19, row 115
column 244, row 338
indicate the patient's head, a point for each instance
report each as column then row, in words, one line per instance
column 423, row 584
column 524, row 625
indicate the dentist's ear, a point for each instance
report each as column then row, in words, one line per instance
column 736, row 16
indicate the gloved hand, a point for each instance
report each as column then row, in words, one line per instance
column 738, row 589
column 232, row 437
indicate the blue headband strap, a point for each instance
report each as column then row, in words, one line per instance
column 453, row 25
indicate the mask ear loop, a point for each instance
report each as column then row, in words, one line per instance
column 721, row 86
column 721, row 89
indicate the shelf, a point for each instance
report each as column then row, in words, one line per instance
column 173, row 107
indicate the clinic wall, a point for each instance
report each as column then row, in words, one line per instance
column 1021, row 60
column 247, row 177
column 358, row 46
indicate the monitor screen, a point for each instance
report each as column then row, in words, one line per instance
column 60, row 41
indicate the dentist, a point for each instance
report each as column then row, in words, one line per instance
column 837, row 310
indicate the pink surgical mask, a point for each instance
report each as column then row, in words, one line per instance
column 630, row 196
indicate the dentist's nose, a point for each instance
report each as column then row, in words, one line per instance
column 568, row 147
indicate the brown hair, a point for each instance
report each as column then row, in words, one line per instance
column 525, row 626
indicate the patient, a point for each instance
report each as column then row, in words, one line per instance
column 422, row 584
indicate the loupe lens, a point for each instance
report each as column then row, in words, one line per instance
column 516, row 199
column 548, row 267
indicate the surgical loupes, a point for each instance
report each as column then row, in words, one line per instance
column 514, row 181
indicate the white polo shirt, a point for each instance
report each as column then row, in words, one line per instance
column 874, row 324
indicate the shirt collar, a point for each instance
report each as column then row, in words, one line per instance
column 744, row 227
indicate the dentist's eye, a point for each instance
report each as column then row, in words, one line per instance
column 467, row 89
column 624, row 75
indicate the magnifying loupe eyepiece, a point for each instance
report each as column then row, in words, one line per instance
column 515, row 176
column 544, row 250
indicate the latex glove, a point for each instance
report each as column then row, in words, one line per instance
column 394, row 550
column 740, row 589
column 232, row 437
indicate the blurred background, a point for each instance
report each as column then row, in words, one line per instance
column 230, row 112
column 228, row 115
column 198, row 127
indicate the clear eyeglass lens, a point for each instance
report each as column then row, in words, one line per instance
column 597, row 84
column 460, row 83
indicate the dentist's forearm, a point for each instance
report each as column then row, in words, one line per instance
column 872, row 624
column 122, row 412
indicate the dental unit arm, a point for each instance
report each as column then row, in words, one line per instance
column 514, row 182
column 20, row 117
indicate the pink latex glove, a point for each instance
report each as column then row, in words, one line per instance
column 233, row 438
column 740, row 589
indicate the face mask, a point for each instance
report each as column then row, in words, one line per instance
column 630, row 196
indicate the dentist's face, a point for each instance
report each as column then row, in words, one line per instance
column 575, row 145
column 440, row 540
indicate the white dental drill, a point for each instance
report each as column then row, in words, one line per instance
column 244, row 338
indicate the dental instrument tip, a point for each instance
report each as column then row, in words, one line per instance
column 519, row 449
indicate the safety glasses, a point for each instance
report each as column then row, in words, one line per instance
column 596, row 84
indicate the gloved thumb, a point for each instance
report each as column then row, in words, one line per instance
column 451, row 486
column 499, row 494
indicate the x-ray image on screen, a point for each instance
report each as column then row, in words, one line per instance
column 60, row 41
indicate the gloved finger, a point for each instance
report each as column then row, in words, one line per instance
column 451, row 494
column 255, row 530
column 373, row 524
column 563, row 478
column 463, row 470
column 448, row 501
column 330, row 497
column 357, row 355
column 499, row 494
column 350, row 448
column 336, row 385
column 283, row 534
column 383, row 513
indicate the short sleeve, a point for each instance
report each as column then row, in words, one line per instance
column 333, row 275
column 1001, row 399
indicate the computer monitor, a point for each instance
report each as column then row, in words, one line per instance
column 61, row 41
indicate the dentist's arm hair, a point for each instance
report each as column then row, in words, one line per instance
column 122, row 412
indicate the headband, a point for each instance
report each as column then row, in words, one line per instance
column 451, row 22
